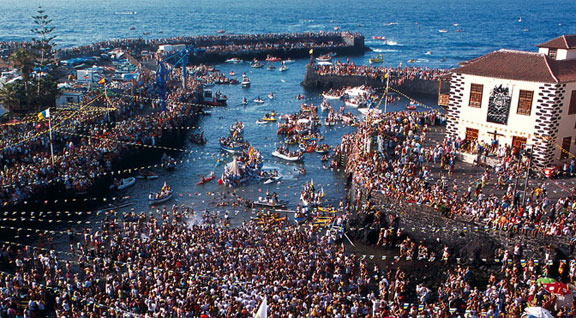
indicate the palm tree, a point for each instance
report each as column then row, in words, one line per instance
column 9, row 97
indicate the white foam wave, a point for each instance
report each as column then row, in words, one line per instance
column 384, row 50
column 392, row 43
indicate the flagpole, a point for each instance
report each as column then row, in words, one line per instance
column 386, row 93
column 51, row 145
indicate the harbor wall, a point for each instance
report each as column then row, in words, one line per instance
column 313, row 80
column 469, row 241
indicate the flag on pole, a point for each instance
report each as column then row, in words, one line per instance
column 262, row 310
column 386, row 75
column 45, row 114
column 102, row 81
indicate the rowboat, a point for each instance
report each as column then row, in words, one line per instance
column 381, row 38
column 259, row 100
column 324, row 58
column 152, row 198
column 268, row 119
column 353, row 103
column 208, row 178
column 257, row 65
column 330, row 96
column 124, row 183
column 286, row 157
column 283, row 68
column 270, row 58
column 377, row 59
column 233, row 150
column 272, row 179
column 300, row 219
column 322, row 149
column 233, row 60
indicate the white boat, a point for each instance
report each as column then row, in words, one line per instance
column 442, row 30
column 288, row 158
column 271, row 96
column 332, row 97
column 245, row 82
column 259, row 100
column 283, row 68
column 272, row 179
column 357, row 91
column 152, row 200
column 233, row 60
column 353, row 103
column 124, row 183
column 366, row 110
column 288, row 61
column 325, row 106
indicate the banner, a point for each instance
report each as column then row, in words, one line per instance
column 499, row 105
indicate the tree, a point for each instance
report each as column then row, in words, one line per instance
column 44, row 40
column 23, row 61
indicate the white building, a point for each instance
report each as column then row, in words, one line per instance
column 519, row 98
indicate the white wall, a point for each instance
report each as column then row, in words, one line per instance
column 517, row 125
column 567, row 124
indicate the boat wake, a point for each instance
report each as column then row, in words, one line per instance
column 391, row 23
column 384, row 50
column 392, row 43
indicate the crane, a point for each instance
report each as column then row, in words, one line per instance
column 180, row 59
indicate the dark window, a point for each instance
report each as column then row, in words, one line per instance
column 552, row 53
column 565, row 147
column 525, row 102
column 476, row 95
column 572, row 108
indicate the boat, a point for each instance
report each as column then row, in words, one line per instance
column 428, row 53
column 244, row 101
column 442, row 30
column 258, row 100
column 411, row 106
column 366, row 110
column 324, row 58
column 268, row 119
column 322, row 149
column 155, row 198
column 277, row 154
column 206, row 179
column 125, row 13
column 353, row 103
column 256, row 65
column 198, row 139
column 306, row 147
column 381, row 38
column 377, row 59
column 272, row 179
column 411, row 60
column 146, row 174
column 283, row 68
column 271, row 67
column 220, row 31
column 268, row 203
column 233, row 60
column 332, row 96
column 271, row 95
column 327, row 210
column 124, row 183
column 269, row 219
column 288, row 61
column 245, row 81
column 232, row 73
column 234, row 148
column 358, row 91
column 271, row 58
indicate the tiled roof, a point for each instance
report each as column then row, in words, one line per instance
column 562, row 42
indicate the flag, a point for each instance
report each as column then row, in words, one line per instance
column 311, row 51
column 250, row 152
column 86, row 76
column 262, row 310
column 235, row 133
column 386, row 75
column 102, row 81
column 45, row 114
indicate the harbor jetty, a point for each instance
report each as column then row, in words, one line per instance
column 410, row 80
column 218, row 48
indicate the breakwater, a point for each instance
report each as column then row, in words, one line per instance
column 467, row 240
column 316, row 80
column 215, row 49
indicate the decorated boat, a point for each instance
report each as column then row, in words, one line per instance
column 270, row 203
column 288, row 156
column 123, row 183
column 377, row 59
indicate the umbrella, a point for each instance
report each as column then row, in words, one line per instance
column 545, row 280
column 557, row 288
column 538, row 312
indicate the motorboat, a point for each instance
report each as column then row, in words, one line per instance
column 325, row 106
column 380, row 38
column 123, row 183
column 377, row 59
column 280, row 155
column 233, row 60
column 331, row 95
column 354, row 103
column 324, row 58
column 288, row 61
column 206, row 179
column 272, row 179
column 256, row 65
column 270, row 203
column 245, row 81
column 146, row 174
column 283, row 68
column 258, row 100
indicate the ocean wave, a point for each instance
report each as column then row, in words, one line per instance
column 384, row 50
column 391, row 23
column 392, row 43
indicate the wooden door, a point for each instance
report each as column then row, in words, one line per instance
column 519, row 142
column 471, row 134
column 566, row 141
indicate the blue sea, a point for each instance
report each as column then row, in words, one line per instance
column 412, row 27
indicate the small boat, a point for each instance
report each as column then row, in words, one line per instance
column 206, row 179
column 272, row 179
column 288, row 61
column 428, row 53
column 258, row 100
column 146, row 174
column 244, row 101
column 277, row 154
column 331, row 96
column 322, row 149
column 245, row 82
column 146, row 33
column 233, row 60
column 153, row 200
column 132, row 28
column 236, row 149
column 325, row 106
column 442, row 30
column 268, row 119
column 366, row 110
column 283, row 68
column 377, row 59
column 220, row 31
column 353, row 103
column 124, row 183
column 381, row 38
column 301, row 218
column 411, row 60
column 257, row 65
column 262, row 202
column 232, row 73
column 411, row 106
column 271, row 67
column 324, row 58
column 271, row 95
column 271, row 58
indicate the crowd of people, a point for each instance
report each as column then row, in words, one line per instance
column 398, row 75
column 184, row 264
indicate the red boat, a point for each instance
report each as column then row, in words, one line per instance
column 271, row 58
column 208, row 178
column 375, row 37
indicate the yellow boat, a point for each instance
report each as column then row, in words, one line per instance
column 328, row 210
column 377, row 59
column 272, row 119
column 411, row 61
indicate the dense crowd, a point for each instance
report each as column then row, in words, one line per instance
column 387, row 157
column 398, row 75
column 187, row 265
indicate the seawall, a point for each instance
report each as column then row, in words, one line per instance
column 472, row 242
column 313, row 80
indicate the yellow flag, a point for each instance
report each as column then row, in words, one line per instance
column 311, row 51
